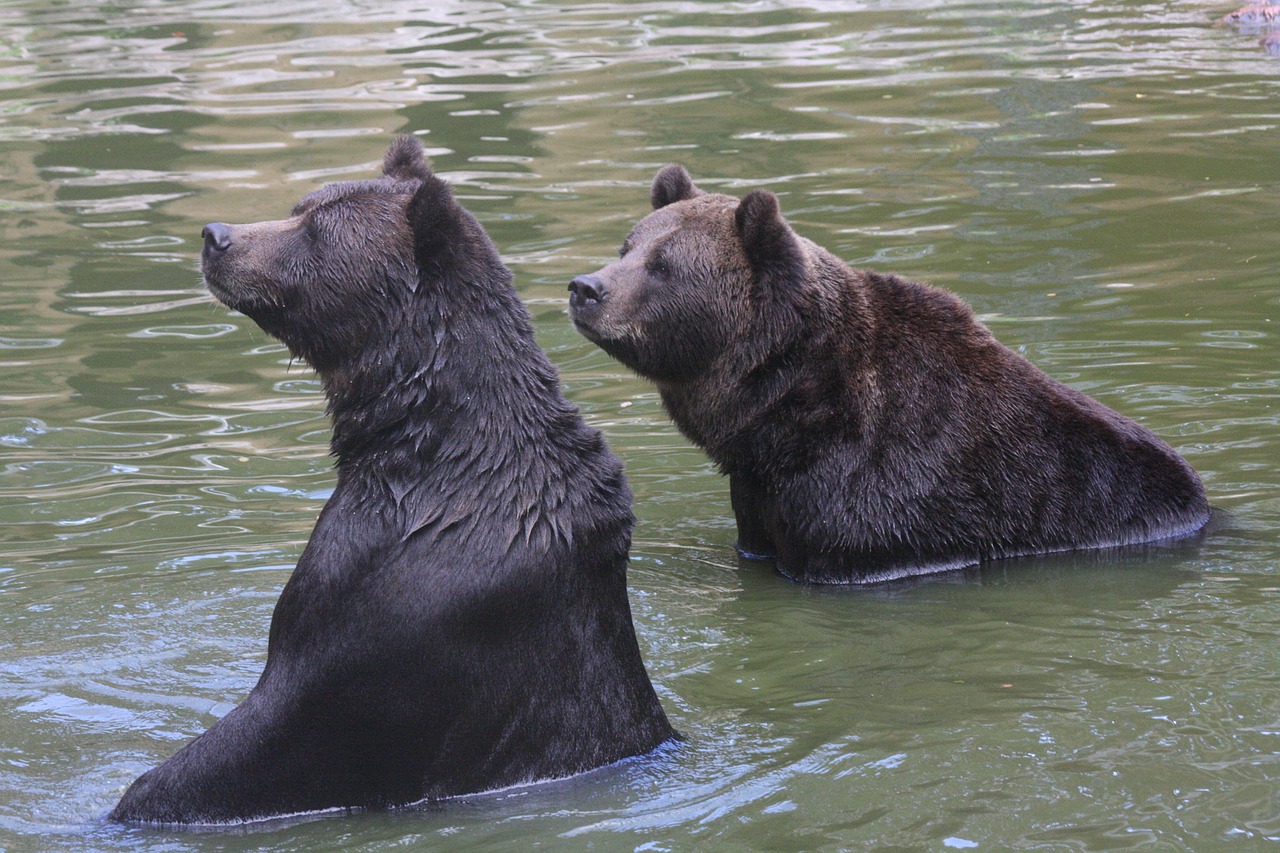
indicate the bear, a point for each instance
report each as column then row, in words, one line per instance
column 1258, row 18
column 871, row 427
column 458, row 621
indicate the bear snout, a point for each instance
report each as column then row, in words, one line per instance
column 586, row 289
column 217, row 239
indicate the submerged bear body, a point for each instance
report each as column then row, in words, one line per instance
column 870, row 427
column 458, row 621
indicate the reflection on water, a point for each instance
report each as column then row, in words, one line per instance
column 1098, row 180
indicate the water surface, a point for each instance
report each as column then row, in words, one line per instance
column 1098, row 179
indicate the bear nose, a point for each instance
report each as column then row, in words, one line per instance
column 587, row 288
column 217, row 238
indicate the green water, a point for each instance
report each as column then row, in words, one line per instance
column 1099, row 179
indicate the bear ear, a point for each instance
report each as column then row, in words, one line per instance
column 672, row 184
column 447, row 239
column 771, row 246
column 405, row 160
column 437, row 221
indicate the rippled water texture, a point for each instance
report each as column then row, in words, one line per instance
column 1099, row 179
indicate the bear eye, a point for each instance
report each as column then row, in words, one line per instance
column 658, row 267
column 622, row 251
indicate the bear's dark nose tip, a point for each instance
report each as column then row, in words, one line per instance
column 217, row 238
column 586, row 288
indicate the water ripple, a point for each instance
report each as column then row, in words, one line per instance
column 1061, row 166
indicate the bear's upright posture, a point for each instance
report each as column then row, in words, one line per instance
column 458, row 621
column 871, row 428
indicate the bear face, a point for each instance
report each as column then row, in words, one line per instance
column 870, row 427
column 458, row 621
column 692, row 277
column 345, row 253
column 299, row 278
column 648, row 295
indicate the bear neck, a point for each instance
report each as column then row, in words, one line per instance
column 460, row 376
column 713, row 414
column 455, row 427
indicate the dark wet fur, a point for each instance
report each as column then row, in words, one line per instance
column 459, row 619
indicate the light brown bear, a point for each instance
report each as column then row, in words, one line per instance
column 871, row 428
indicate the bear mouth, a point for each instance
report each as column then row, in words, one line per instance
column 220, row 291
column 228, row 283
column 586, row 318
column 216, row 289
column 618, row 344
column 237, row 294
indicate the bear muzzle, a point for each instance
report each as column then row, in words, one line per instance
column 587, row 294
column 585, row 290
column 217, row 239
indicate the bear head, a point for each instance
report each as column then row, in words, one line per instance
column 324, row 280
column 695, row 277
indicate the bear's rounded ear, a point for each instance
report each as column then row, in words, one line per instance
column 436, row 218
column 405, row 160
column 672, row 184
column 447, row 239
column 770, row 244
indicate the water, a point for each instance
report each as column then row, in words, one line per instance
column 1098, row 179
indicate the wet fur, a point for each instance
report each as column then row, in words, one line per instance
column 458, row 621
column 871, row 428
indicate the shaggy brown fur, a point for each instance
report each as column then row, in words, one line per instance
column 870, row 427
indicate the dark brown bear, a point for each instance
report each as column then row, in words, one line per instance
column 871, row 428
column 459, row 620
